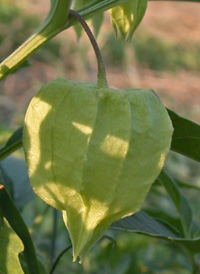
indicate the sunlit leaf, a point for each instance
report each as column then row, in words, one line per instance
column 17, row 223
column 10, row 247
column 26, row 63
column 127, row 17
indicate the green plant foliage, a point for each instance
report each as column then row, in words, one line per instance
column 42, row 264
column 143, row 224
column 96, row 20
column 127, row 17
column 4, row 135
column 179, row 201
column 17, row 180
column 10, row 248
column 12, row 215
column 12, row 144
column 186, row 137
column 94, row 153
column 166, row 219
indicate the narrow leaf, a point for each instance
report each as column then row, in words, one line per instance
column 186, row 185
column 97, row 6
column 78, row 4
column 126, row 18
column 18, row 180
column 141, row 223
column 179, row 201
column 96, row 20
column 13, row 143
column 162, row 216
column 186, row 137
column 10, row 248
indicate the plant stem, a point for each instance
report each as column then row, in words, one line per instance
column 51, row 26
column 58, row 259
column 193, row 262
column 54, row 236
column 102, row 81
column 56, row 21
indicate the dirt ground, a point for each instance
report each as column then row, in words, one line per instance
column 178, row 22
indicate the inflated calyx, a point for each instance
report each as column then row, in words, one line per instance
column 94, row 153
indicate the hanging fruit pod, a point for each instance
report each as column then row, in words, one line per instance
column 94, row 153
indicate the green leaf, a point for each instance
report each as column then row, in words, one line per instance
column 126, row 18
column 179, row 201
column 13, row 143
column 96, row 20
column 166, row 218
column 97, row 6
column 10, row 247
column 186, row 137
column 77, row 5
column 141, row 223
column 15, row 220
column 42, row 263
column 15, row 173
column 186, row 185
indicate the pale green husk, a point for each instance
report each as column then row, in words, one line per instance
column 94, row 153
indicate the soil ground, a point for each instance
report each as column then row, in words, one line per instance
column 176, row 22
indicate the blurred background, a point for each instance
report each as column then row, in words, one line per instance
column 164, row 55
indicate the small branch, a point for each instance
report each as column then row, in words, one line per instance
column 102, row 82
column 58, row 259
column 54, row 236
column 52, row 25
